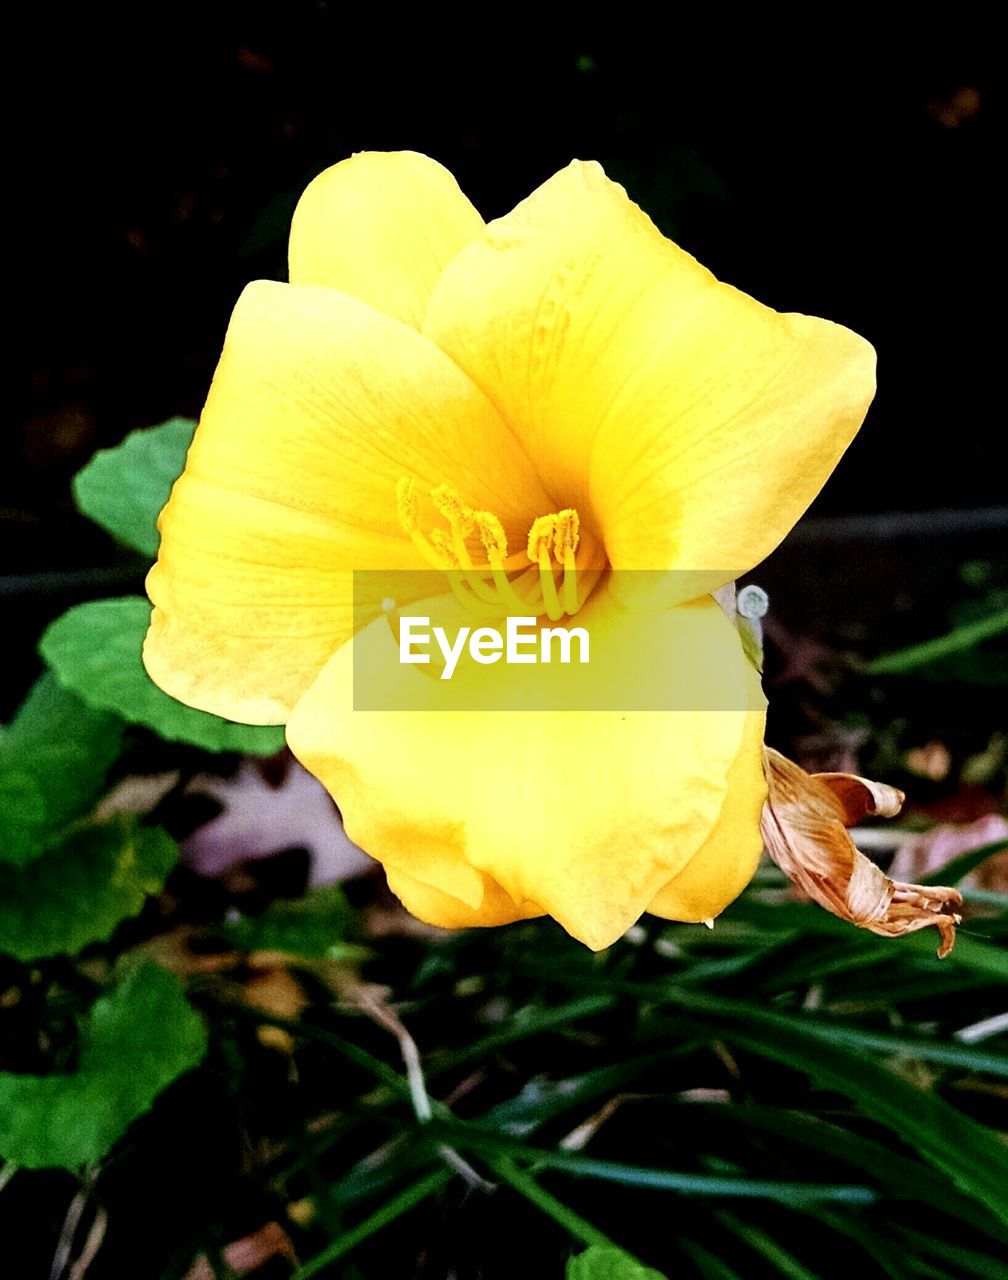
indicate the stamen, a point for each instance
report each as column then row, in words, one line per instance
column 442, row 544
column 540, row 539
column 565, row 543
column 492, row 535
column 487, row 589
column 494, row 541
column 462, row 521
column 569, row 591
column 540, row 536
column 566, row 533
column 450, row 505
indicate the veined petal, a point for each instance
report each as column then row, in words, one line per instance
column 692, row 424
column 603, row 808
column 319, row 405
column 382, row 226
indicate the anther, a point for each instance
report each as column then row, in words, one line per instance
column 447, row 502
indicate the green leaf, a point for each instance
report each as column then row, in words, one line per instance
column 604, row 1262
column 80, row 890
column 134, row 1042
column 94, row 649
column 123, row 489
column 311, row 926
column 53, row 760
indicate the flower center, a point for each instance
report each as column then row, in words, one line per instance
column 553, row 576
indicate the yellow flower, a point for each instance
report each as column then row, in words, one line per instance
column 561, row 392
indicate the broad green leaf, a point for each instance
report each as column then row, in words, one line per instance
column 80, row 890
column 94, row 649
column 123, row 489
column 605, row 1262
column 134, row 1042
column 54, row 757
column 312, row 926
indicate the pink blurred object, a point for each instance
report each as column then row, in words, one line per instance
column 262, row 816
column 929, row 853
column 249, row 1253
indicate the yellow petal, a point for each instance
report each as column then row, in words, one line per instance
column 434, row 905
column 319, row 405
column 727, row 860
column 583, row 815
column 689, row 423
column 381, row 226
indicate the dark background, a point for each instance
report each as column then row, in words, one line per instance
column 153, row 158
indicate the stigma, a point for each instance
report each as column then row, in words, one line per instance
column 548, row 578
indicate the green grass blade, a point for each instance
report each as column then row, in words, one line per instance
column 691, row 1184
column 954, row 641
column 971, row 1155
column 708, row 1266
column 786, row 1263
column 408, row 1199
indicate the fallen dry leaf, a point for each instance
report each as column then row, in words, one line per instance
column 249, row 1253
column 805, row 821
column 262, row 815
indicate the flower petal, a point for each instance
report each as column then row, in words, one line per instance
column 727, row 860
column 584, row 815
column 319, row 405
column 381, row 226
column 691, row 423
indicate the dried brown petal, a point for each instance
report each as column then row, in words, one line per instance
column 805, row 821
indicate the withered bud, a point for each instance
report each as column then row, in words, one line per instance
column 804, row 824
